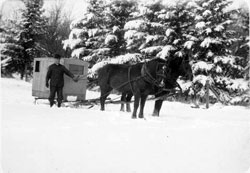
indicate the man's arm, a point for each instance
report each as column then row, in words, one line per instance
column 68, row 73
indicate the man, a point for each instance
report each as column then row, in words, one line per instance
column 55, row 80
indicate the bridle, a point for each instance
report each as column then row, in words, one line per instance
column 170, row 79
column 145, row 74
column 160, row 75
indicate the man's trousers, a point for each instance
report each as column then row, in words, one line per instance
column 54, row 90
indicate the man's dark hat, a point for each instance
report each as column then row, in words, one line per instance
column 57, row 56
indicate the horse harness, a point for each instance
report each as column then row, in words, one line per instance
column 158, row 81
column 160, row 75
column 145, row 74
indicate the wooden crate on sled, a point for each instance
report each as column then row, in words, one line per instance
column 75, row 90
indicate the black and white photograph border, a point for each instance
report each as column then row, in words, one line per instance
column 124, row 86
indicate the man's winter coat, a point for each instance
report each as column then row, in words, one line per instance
column 55, row 75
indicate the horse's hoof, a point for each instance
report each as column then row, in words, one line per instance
column 133, row 117
column 155, row 115
column 141, row 117
column 195, row 106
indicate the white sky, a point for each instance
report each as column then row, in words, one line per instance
column 74, row 7
column 9, row 7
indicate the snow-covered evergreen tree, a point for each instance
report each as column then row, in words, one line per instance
column 99, row 34
column 118, row 12
column 87, row 37
column 145, row 32
column 159, row 31
column 241, row 48
column 122, row 31
column 177, row 19
column 32, row 27
column 10, row 50
column 155, row 29
column 209, row 41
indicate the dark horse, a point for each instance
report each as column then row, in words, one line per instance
column 175, row 67
column 141, row 79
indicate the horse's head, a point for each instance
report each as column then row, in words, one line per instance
column 185, row 69
column 154, row 71
column 180, row 66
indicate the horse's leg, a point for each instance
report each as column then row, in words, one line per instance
column 158, row 104
column 143, row 101
column 123, row 99
column 128, row 99
column 104, row 95
column 136, row 104
column 157, row 108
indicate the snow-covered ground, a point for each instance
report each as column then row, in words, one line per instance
column 39, row 139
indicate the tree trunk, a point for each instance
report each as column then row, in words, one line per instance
column 22, row 75
column 26, row 72
column 248, row 73
column 207, row 94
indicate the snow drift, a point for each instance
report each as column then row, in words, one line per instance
column 36, row 138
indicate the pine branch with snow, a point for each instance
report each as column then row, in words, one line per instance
column 210, row 47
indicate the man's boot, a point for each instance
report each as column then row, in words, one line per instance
column 52, row 103
column 59, row 104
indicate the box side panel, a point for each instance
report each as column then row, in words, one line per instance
column 39, row 77
column 72, row 88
